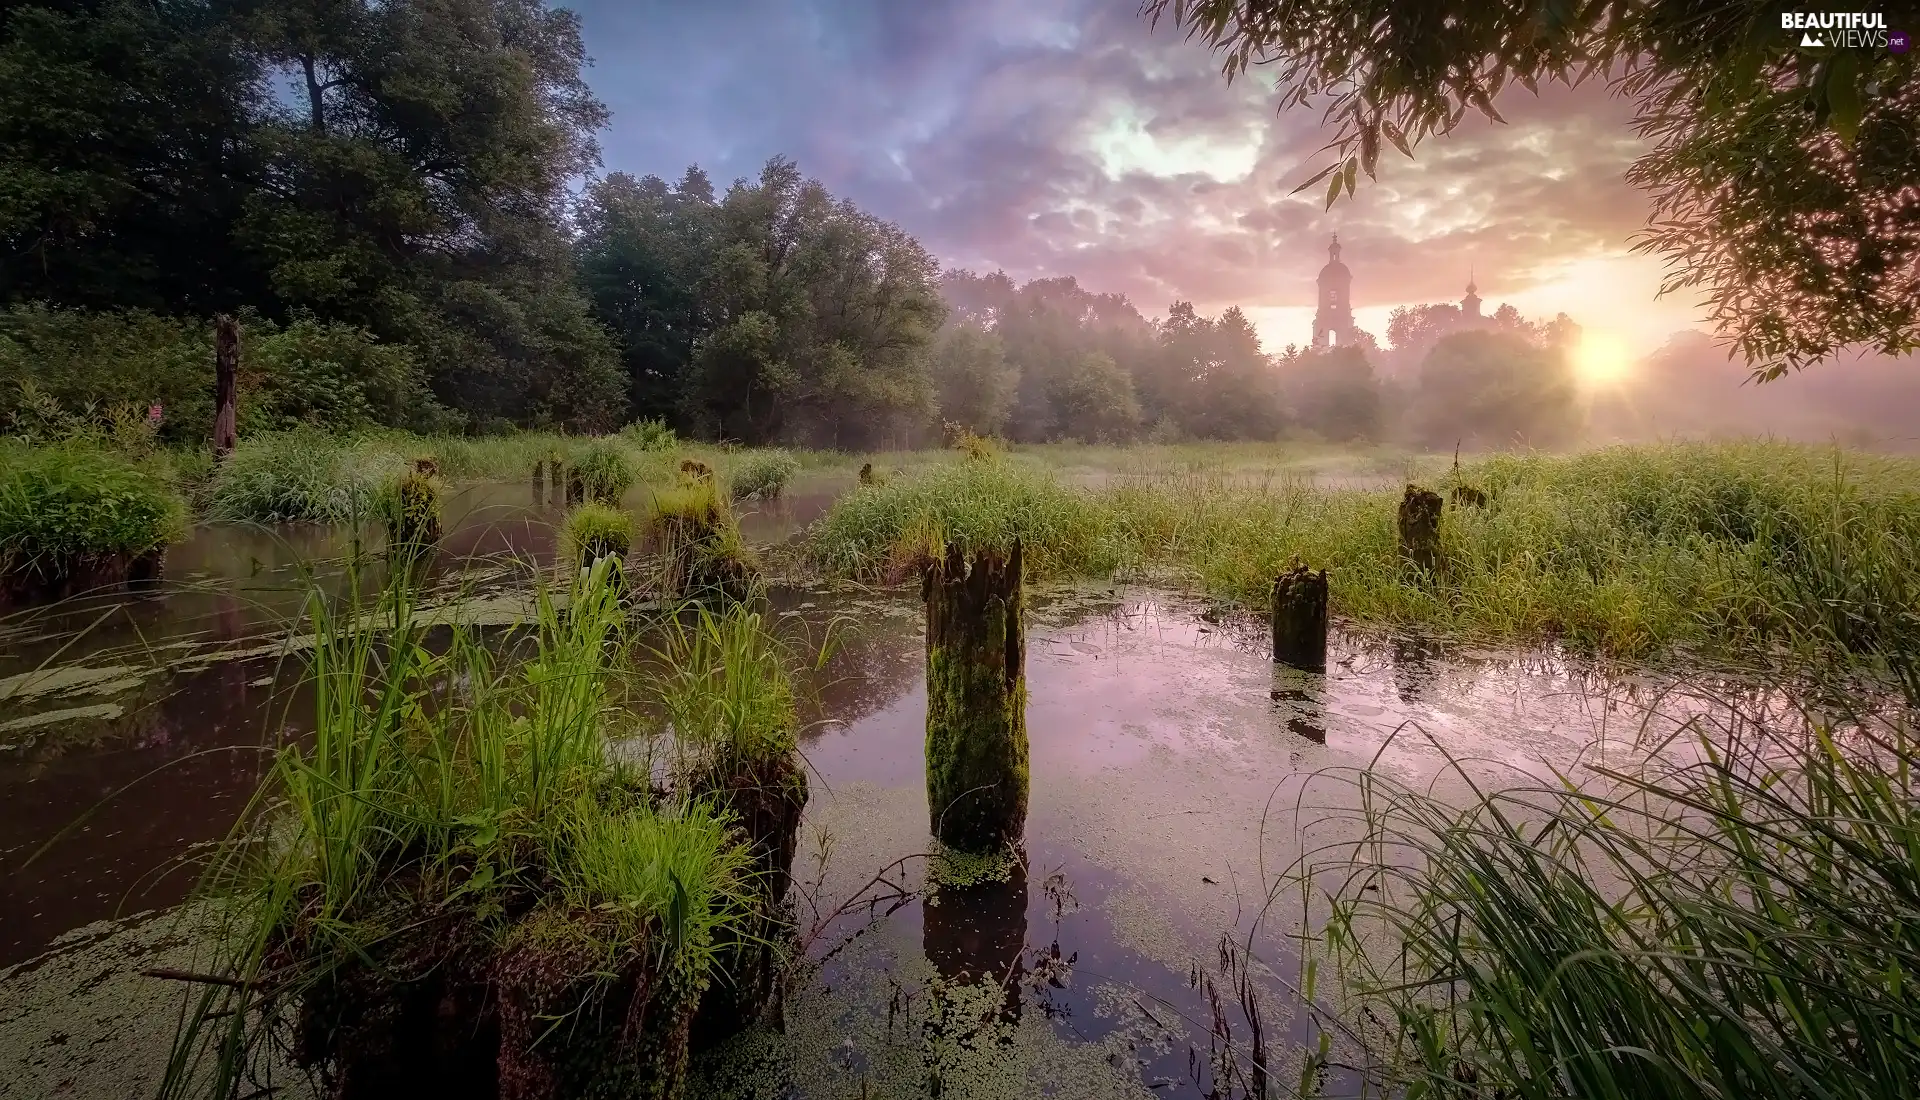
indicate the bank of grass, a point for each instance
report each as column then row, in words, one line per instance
column 300, row 476
column 1629, row 551
column 432, row 832
column 64, row 506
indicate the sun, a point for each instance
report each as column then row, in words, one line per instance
column 1601, row 359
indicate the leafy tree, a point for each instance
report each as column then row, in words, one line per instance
column 1332, row 392
column 1781, row 176
column 975, row 385
column 1495, row 389
column 1091, row 400
column 124, row 156
column 1210, row 378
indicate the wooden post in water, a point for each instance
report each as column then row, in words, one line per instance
column 976, row 699
column 1420, row 529
column 540, row 484
column 576, row 487
column 553, row 468
column 866, row 473
column 1300, row 618
column 226, row 375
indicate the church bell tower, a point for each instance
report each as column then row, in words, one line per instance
column 1333, row 320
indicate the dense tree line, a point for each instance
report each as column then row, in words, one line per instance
column 379, row 189
column 411, row 186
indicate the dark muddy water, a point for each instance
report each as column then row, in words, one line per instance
column 1175, row 773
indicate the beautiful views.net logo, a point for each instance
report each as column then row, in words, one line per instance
column 1862, row 29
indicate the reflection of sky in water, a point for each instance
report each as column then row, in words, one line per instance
column 1175, row 773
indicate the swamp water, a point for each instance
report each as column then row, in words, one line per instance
column 1173, row 778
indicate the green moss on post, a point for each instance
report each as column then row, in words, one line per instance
column 413, row 511
column 976, row 699
column 1300, row 618
column 1420, row 529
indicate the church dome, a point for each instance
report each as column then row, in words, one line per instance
column 1335, row 271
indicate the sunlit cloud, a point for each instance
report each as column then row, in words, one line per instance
column 1055, row 137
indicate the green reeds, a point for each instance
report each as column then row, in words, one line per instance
column 594, row 531
column 450, row 834
column 1630, row 551
column 300, row 476
column 68, row 514
column 761, row 475
column 1738, row 918
column 698, row 538
column 725, row 691
column 604, row 472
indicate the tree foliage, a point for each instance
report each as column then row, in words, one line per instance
column 411, row 188
column 1781, row 176
column 773, row 311
column 1332, row 392
column 1489, row 388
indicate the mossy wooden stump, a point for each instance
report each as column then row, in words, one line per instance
column 976, row 699
column 866, row 473
column 554, row 471
column 1300, row 618
column 692, row 470
column 576, row 487
column 1419, row 524
column 413, row 516
column 765, row 799
column 540, row 485
column 701, row 552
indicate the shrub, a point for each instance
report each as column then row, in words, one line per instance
column 63, row 507
column 651, row 435
column 410, row 507
column 302, row 475
column 604, row 471
column 762, row 474
column 1495, row 389
column 334, row 377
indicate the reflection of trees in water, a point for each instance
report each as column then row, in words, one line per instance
column 876, row 659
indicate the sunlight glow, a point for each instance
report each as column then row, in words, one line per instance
column 1601, row 360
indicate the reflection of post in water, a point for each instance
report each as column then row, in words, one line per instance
column 540, row 484
column 1300, row 695
column 975, row 934
column 1412, row 668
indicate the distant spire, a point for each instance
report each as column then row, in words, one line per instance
column 1471, row 289
column 1333, row 250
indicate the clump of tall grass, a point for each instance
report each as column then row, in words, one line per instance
column 698, row 538
column 651, row 435
column 725, row 691
column 301, row 475
column 446, row 823
column 762, row 475
column 1741, row 919
column 1630, row 551
column 885, row 531
column 604, row 471
column 64, row 507
column 594, row 531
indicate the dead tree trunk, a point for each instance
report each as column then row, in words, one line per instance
column 1300, row 618
column 226, row 373
column 1420, row 529
column 976, row 699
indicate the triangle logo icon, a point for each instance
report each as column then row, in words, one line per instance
column 1807, row 39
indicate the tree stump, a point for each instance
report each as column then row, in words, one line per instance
column 866, row 473
column 1300, row 618
column 576, row 487
column 539, row 484
column 1420, row 529
column 226, row 374
column 554, row 468
column 413, row 516
column 976, row 699
column 1468, row 496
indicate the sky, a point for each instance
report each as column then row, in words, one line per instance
column 1067, row 137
